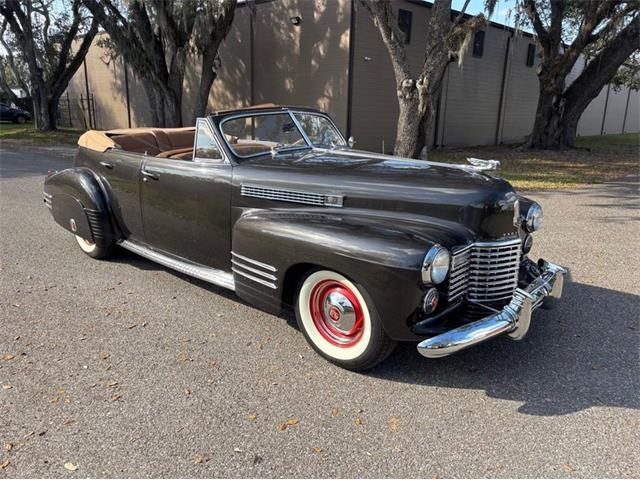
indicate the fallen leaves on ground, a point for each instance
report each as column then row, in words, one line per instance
column 293, row 421
column 187, row 391
column 316, row 450
column 116, row 397
column 282, row 427
column 61, row 394
column 335, row 411
column 358, row 420
column 7, row 356
column 8, row 446
column 253, row 416
column 7, row 386
column 4, row 464
column 197, row 459
column 568, row 468
column 394, row 424
column 71, row 467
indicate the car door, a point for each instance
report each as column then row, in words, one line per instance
column 186, row 203
column 4, row 112
column 120, row 172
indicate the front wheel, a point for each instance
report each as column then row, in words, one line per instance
column 21, row 119
column 92, row 249
column 339, row 323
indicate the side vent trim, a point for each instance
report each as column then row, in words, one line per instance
column 293, row 196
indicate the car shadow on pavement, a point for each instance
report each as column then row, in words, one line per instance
column 582, row 354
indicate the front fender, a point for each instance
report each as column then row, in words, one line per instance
column 79, row 204
column 382, row 255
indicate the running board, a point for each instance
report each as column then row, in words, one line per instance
column 211, row 275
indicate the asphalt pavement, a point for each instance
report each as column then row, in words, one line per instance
column 122, row 368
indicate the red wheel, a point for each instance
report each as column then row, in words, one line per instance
column 336, row 320
column 337, row 313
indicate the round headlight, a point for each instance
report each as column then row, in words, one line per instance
column 533, row 221
column 435, row 265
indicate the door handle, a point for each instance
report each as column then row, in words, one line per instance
column 150, row 175
column 108, row 165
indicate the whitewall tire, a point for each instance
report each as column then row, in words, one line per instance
column 339, row 323
column 92, row 249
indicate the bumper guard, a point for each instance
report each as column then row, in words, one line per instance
column 514, row 319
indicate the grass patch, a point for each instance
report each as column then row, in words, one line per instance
column 597, row 159
column 27, row 134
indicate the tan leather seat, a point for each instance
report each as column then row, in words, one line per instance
column 250, row 148
column 163, row 140
column 175, row 151
column 187, row 155
column 141, row 142
column 180, row 138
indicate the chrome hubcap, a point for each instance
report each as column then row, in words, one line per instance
column 340, row 311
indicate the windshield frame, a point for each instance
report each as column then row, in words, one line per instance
column 291, row 112
column 256, row 114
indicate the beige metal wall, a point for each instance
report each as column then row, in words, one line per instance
column 106, row 81
column 308, row 64
column 305, row 64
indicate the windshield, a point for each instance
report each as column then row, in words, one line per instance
column 256, row 134
column 320, row 130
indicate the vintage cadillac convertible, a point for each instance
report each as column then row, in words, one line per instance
column 272, row 203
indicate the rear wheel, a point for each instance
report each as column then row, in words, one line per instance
column 339, row 322
column 92, row 249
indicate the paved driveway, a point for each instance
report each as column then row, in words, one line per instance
column 124, row 368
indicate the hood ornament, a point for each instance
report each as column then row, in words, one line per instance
column 483, row 165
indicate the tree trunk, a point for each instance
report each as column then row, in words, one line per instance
column 547, row 133
column 207, row 77
column 408, row 134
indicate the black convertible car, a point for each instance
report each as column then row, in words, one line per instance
column 273, row 203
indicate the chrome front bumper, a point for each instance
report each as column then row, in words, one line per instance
column 514, row 319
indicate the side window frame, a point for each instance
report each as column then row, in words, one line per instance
column 214, row 161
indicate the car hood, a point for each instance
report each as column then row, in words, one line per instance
column 399, row 187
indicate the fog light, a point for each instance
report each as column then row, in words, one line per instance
column 527, row 244
column 430, row 301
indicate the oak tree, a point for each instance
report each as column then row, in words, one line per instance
column 43, row 33
column 448, row 35
column 605, row 34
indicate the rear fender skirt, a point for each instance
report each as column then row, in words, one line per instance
column 79, row 204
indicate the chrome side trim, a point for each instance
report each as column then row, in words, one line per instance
column 254, row 278
column 211, row 275
column 266, row 266
column 268, row 276
column 47, row 199
column 252, row 271
column 293, row 196
column 514, row 319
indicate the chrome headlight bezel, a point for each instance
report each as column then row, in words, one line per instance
column 436, row 265
column 533, row 220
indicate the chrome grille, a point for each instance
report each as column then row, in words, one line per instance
column 485, row 272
